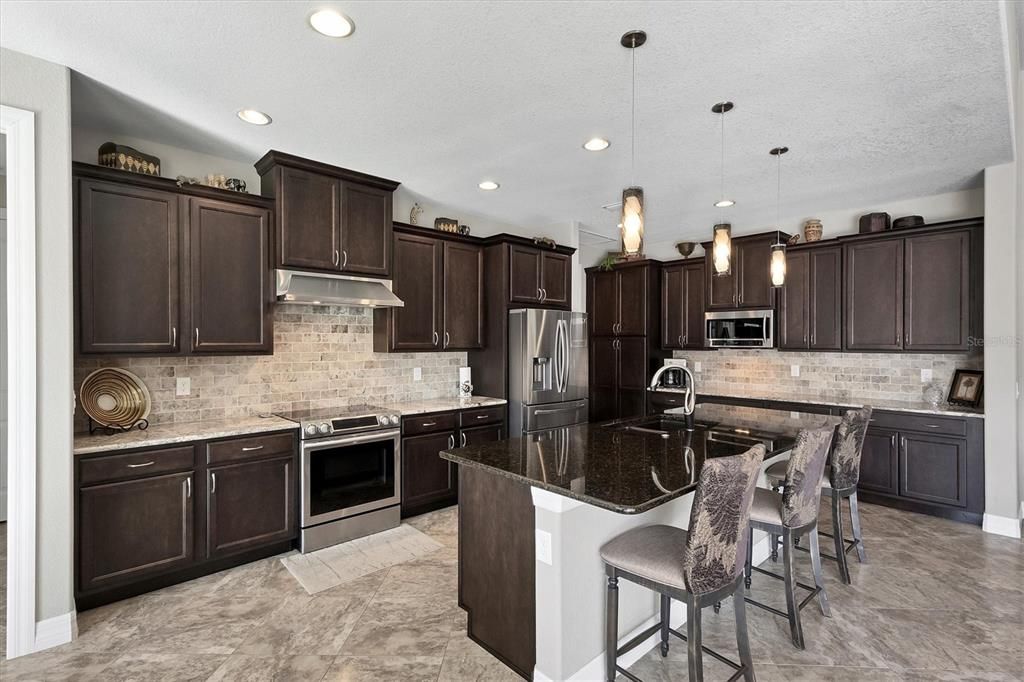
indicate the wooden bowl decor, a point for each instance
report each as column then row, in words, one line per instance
column 907, row 221
column 686, row 248
column 123, row 157
column 115, row 398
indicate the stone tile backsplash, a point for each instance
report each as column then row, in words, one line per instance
column 323, row 357
column 825, row 376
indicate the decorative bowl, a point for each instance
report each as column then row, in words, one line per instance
column 686, row 248
column 115, row 397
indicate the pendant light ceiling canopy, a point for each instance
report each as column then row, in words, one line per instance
column 632, row 223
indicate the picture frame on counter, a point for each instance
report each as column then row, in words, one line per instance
column 966, row 388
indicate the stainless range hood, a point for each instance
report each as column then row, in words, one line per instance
column 295, row 286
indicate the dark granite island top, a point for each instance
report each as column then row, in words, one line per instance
column 614, row 467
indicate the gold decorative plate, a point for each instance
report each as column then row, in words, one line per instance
column 115, row 397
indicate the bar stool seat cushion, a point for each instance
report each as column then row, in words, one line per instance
column 777, row 472
column 651, row 552
column 767, row 507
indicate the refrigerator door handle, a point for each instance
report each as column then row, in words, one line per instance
column 562, row 354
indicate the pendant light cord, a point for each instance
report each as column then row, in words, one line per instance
column 722, row 167
column 778, row 191
column 632, row 170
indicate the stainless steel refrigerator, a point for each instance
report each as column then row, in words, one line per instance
column 547, row 369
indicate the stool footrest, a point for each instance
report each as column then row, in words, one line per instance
column 712, row 653
column 633, row 643
column 628, row 675
column 813, row 593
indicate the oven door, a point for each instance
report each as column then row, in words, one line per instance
column 343, row 477
column 739, row 329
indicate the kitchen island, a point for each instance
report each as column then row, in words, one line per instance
column 534, row 511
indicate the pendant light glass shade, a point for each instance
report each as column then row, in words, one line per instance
column 721, row 250
column 778, row 264
column 632, row 221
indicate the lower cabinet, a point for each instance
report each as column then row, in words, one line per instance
column 149, row 518
column 934, row 469
column 879, row 461
column 428, row 481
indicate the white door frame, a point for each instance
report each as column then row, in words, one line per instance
column 18, row 126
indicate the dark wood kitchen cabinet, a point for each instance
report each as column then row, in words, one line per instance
column 810, row 302
column 682, row 305
column 618, row 377
column 934, row 469
column 937, row 276
column 620, row 300
column 879, row 461
column 441, row 282
column 164, row 270
column 748, row 284
column 874, row 295
column 539, row 276
column 153, row 517
column 329, row 219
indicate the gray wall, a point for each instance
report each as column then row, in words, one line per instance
column 44, row 88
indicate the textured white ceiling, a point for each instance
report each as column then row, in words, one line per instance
column 877, row 100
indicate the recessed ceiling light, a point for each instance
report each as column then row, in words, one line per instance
column 332, row 23
column 257, row 118
column 596, row 144
column 725, row 203
column 488, row 185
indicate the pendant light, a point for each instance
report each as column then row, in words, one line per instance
column 632, row 224
column 778, row 260
column 721, row 253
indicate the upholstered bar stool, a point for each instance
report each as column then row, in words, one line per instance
column 840, row 482
column 699, row 566
column 792, row 514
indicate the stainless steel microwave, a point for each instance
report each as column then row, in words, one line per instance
column 740, row 329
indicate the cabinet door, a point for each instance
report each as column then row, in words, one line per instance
column 308, row 221
column 633, row 376
column 632, row 301
column 934, row 469
column 673, row 306
column 938, row 289
column 721, row 288
column 794, row 300
column 826, row 298
column 879, row 466
column 874, row 295
column 230, row 277
column 428, row 482
column 694, row 305
column 234, row 522
column 754, row 286
column 132, row 529
column 463, row 296
column 604, row 368
column 128, row 258
column 418, row 271
column 556, row 279
column 603, row 302
column 365, row 230
column 482, row 434
column 524, row 274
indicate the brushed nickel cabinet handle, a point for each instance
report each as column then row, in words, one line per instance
column 188, row 487
column 904, row 443
column 174, row 336
column 197, row 336
column 447, row 339
column 545, row 293
column 680, row 339
column 435, row 338
column 462, row 439
column 892, row 440
column 932, row 426
column 344, row 259
column 481, row 416
column 451, row 441
column 336, row 258
column 252, row 448
column 213, row 483
column 538, row 293
column 429, row 423
column 139, row 466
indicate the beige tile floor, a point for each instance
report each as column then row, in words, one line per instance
column 938, row 601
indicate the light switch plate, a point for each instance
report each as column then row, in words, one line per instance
column 543, row 549
column 417, row 374
column 183, row 386
column 926, row 376
column 696, row 366
column 794, row 370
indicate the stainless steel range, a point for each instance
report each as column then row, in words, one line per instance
column 350, row 477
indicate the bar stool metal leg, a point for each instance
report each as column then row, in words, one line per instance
column 837, row 536
column 750, row 558
column 773, row 539
column 742, row 636
column 855, row 522
column 793, row 609
column 695, row 652
column 666, row 610
column 611, row 638
column 818, row 582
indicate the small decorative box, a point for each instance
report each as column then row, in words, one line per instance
column 875, row 222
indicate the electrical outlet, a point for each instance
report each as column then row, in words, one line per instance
column 926, row 376
column 417, row 374
column 543, row 549
column 794, row 415
column 696, row 366
column 794, row 370
column 183, row 386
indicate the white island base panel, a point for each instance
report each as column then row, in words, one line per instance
column 571, row 584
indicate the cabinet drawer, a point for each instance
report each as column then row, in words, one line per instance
column 430, row 423
column 109, row 468
column 236, row 449
column 922, row 423
column 482, row 415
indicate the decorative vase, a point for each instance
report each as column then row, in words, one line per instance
column 933, row 394
column 813, row 230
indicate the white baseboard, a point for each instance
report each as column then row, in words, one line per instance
column 594, row 670
column 55, row 631
column 1001, row 525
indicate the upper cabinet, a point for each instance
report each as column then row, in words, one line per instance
column 748, row 284
column 682, row 305
column 539, row 276
column 440, row 280
column 810, row 302
column 619, row 300
column 329, row 219
column 166, row 270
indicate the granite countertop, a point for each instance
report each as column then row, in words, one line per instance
column 164, row 434
column 443, row 404
column 919, row 406
column 630, row 472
